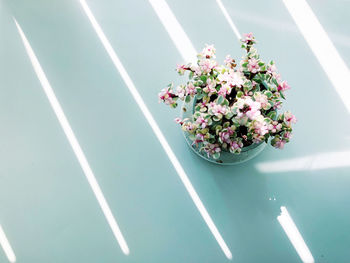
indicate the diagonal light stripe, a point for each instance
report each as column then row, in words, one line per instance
column 74, row 143
column 5, row 244
column 144, row 109
column 322, row 47
column 294, row 236
column 175, row 30
column 317, row 161
column 229, row 20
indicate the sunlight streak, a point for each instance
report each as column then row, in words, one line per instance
column 229, row 20
column 294, row 236
column 5, row 244
column 312, row 162
column 74, row 143
column 322, row 47
column 175, row 30
column 187, row 54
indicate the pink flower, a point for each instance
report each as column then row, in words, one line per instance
column 236, row 146
column 247, row 107
column 248, row 37
column 217, row 109
column 224, row 90
column 210, row 88
column 289, row 118
column 180, row 92
column 202, row 105
column 287, row 135
column 208, row 51
column 277, row 105
column 178, row 120
column 225, row 135
column 275, row 127
column 253, row 65
column 167, row 96
column 260, row 126
column 181, row 69
column 279, row 143
column 283, row 86
column 262, row 98
column 190, row 89
column 253, row 111
column 229, row 61
column 196, row 70
column 189, row 126
column 233, row 78
column 202, row 122
column 272, row 69
column 199, row 138
column 223, row 77
column 277, row 77
column 211, row 148
column 206, row 65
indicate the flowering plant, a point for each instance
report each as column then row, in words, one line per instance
column 235, row 105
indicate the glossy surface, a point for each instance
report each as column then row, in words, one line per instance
column 47, row 208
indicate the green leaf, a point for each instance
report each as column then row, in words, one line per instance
column 204, row 78
column 220, row 99
column 275, row 81
column 188, row 99
column 282, row 95
column 262, row 76
column 265, row 85
column 239, row 94
column 190, row 75
column 226, row 103
column 247, row 88
column 218, row 128
column 216, row 156
column 257, row 87
column 268, row 93
column 192, row 137
column 216, row 118
column 226, row 124
column 199, row 96
column 257, row 78
column 272, row 115
column 174, row 105
column 229, row 115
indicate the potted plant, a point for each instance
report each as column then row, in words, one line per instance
column 230, row 111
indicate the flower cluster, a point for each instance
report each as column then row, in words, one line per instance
column 235, row 104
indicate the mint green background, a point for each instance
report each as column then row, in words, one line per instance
column 47, row 208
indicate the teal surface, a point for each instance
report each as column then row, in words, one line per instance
column 47, row 208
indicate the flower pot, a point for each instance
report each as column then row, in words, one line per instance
column 226, row 157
